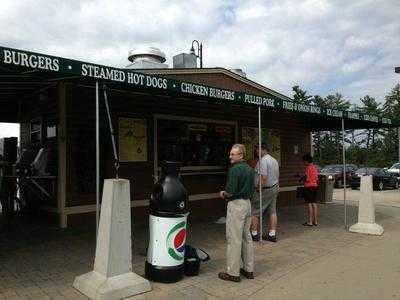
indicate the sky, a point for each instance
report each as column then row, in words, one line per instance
column 348, row 47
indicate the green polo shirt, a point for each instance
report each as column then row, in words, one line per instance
column 240, row 183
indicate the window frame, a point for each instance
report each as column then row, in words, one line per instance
column 191, row 170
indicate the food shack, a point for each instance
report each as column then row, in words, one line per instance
column 188, row 115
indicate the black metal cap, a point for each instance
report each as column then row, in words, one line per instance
column 170, row 167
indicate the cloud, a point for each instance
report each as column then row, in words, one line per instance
column 323, row 46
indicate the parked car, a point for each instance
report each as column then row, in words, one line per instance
column 336, row 171
column 395, row 169
column 318, row 168
column 381, row 178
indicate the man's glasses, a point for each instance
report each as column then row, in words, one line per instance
column 232, row 154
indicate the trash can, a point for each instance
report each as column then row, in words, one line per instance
column 167, row 226
column 325, row 188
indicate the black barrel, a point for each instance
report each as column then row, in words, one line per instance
column 167, row 224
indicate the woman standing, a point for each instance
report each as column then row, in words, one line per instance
column 310, row 180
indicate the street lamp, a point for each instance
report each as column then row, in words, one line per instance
column 199, row 51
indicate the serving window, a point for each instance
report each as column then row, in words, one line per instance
column 195, row 142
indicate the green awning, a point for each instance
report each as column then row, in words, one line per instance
column 20, row 70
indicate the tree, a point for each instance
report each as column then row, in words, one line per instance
column 337, row 101
column 319, row 101
column 317, row 136
column 328, row 143
column 391, row 109
column 300, row 96
column 370, row 106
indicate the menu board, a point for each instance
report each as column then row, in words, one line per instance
column 132, row 137
column 270, row 136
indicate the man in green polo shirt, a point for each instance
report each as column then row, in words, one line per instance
column 239, row 187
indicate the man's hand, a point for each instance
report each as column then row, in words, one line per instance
column 225, row 195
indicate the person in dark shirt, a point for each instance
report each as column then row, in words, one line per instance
column 238, row 190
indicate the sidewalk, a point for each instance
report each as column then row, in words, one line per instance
column 324, row 262
column 366, row 268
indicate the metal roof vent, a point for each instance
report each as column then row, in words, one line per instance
column 146, row 58
column 185, row 61
column 239, row 72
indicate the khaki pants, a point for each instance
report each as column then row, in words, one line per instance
column 239, row 243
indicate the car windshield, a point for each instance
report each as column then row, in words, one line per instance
column 395, row 166
column 366, row 171
column 361, row 171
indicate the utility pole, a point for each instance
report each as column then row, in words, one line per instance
column 397, row 70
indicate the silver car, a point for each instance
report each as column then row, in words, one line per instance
column 395, row 169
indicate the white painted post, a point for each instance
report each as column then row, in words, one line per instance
column 112, row 277
column 366, row 209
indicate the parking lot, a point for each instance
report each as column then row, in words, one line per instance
column 385, row 197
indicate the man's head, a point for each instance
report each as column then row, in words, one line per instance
column 237, row 153
column 264, row 149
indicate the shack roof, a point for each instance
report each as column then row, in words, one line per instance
column 24, row 72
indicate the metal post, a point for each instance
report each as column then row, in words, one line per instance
column 97, row 159
column 398, row 139
column 112, row 133
column 201, row 55
column 344, row 175
column 259, row 172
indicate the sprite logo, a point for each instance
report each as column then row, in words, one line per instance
column 176, row 241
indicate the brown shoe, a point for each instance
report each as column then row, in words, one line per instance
column 248, row 275
column 226, row 276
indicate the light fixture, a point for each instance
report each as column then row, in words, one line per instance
column 199, row 51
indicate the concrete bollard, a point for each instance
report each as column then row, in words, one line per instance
column 366, row 210
column 112, row 277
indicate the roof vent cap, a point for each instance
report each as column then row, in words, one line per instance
column 146, row 58
column 239, row 72
column 146, row 53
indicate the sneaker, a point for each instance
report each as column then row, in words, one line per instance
column 271, row 238
column 248, row 275
column 307, row 224
column 227, row 277
column 255, row 237
column 221, row 220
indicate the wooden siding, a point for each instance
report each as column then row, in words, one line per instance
column 81, row 139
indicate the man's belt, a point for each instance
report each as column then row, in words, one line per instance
column 270, row 187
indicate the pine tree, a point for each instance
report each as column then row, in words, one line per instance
column 391, row 109
column 300, row 96
column 371, row 106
